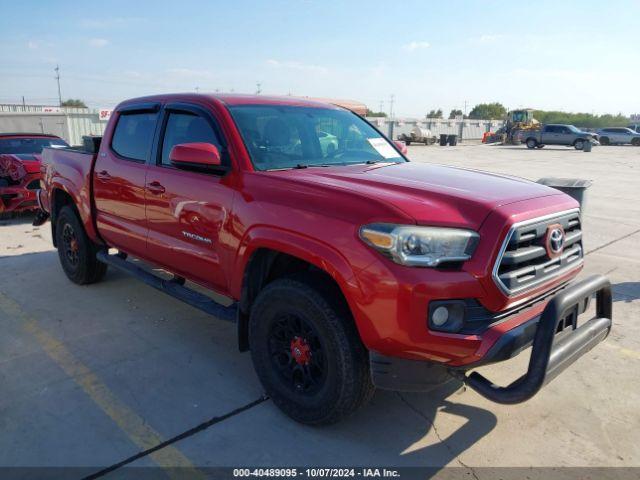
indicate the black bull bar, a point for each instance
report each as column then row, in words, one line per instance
column 551, row 355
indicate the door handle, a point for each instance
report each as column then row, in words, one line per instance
column 103, row 175
column 156, row 188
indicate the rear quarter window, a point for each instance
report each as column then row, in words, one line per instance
column 133, row 135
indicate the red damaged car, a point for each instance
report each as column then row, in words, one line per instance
column 20, row 169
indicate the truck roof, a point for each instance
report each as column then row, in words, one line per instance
column 240, row 99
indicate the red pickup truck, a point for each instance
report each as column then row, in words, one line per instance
column 345, row 265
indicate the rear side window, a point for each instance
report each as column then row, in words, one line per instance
column 186, row 128
column 133, row 135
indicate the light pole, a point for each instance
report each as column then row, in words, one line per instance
column 57, row 70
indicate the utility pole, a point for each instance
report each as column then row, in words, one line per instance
column 258, row 88
column 465, row 108
column 197, row 89
column 24, row 105
column 57, row 70
column 391, row 117
column 381, row 106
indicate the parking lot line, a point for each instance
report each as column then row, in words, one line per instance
column 624, row 351
column 124, row 417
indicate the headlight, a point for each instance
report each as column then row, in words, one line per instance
column 420, row 246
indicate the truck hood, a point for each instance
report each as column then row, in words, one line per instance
column 430, row 194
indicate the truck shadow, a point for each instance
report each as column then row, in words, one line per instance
column 432, row 442
column 626, row 292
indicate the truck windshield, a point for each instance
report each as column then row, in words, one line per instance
column 574, row 129
column 281, row 137
column 29, row 145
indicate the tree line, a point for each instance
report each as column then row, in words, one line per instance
column 497, row 111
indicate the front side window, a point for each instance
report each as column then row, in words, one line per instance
column 29, row 145
column 186, row 128
column 280, row 137
column 133, row 135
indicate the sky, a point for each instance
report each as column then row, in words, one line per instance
column 580, row 56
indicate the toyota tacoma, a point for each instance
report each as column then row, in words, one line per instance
column 344, row 268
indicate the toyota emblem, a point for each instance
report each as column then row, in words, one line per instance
column 554, row 240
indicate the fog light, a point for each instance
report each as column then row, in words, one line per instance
column 440, row 316
column 447, row 315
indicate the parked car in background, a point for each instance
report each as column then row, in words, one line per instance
column 635, row 127
column 328, row 143
column 20, row 169
column 619, row 136
column 554, row 134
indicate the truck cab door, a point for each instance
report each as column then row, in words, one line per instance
column 119, row 178
column 566, row 136
column 186, row 210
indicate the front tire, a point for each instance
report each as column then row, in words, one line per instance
column 604, row 141
column 531, row 143
column 635, row 142
column 578, row 144
column 76, row 251
column 307, row 352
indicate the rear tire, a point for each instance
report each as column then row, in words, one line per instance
column 604, row 141
column 531, row 143
column 307, row 352
column 76, row 251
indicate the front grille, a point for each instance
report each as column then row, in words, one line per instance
column 523, row 262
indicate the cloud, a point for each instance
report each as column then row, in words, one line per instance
column 98, row 42
column 293, row 65
column 32, row 45
column 415, row 45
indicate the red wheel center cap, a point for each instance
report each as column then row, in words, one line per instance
column 300, row 351
column 74, row 245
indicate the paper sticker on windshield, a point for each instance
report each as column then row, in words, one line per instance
column 383, row 147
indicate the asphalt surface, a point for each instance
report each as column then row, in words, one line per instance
column 116, row 372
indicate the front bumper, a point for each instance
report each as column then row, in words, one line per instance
column 552, row 352
column 19, row 198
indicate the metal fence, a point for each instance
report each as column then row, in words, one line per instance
column 69, row 123
column 465, row 129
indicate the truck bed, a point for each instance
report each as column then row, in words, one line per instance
column 70, row 169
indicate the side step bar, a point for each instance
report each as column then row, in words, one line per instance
column 173, row 287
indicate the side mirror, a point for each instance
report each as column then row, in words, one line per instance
column 401, row 146
column 197, row 156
